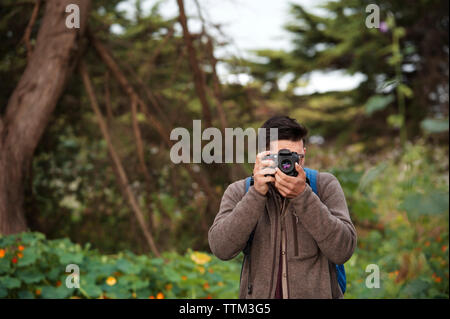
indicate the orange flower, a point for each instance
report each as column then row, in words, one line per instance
column 210, row 270
column 2, row 253
column 396, row 272
column 444, row 248
column 209, row 297
column 111, row 281
column 427, row 243
column 58, row 283
column 133, row 295
column 37, row 292
column 14, row 260
column 183, row 278
column 438, row 279
column 21, row 248
column 151, row 297
column 159, row 295
column 169, row 286
column 205, row 286
column 20, row 255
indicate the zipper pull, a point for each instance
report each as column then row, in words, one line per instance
column 296, row 217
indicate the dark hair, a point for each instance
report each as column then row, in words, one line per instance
column 288, row 129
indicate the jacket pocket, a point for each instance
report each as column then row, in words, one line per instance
column 304, row 245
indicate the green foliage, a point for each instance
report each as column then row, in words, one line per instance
column 378, row 102
column 33, row 267
column 409, row 238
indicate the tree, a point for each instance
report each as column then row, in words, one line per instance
column 32, row 102
column 404, row 63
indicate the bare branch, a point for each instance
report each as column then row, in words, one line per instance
column 26, row 36
column 199, row 76
column 122, row 177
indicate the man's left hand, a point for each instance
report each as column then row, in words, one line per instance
column 290, row 186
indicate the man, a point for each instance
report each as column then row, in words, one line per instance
column 299, row 237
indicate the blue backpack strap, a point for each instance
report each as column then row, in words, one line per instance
column 248, row 183
column 341, row 277
column 311, row 175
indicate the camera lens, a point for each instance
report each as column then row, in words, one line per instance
column 286, row 165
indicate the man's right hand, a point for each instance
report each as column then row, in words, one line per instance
column 261, row 168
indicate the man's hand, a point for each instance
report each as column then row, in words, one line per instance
column 261, row 168
column 290, row 186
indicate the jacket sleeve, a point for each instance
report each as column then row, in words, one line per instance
column 237, row 217
column 327, row 219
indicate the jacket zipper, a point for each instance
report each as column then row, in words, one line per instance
column 283, row 259
column 294, row 229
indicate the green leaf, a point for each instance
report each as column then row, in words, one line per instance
column 9, row 282
column 417, row 204
column 377, row 103
column 405, row 90
column 30, row 255
column 30, row 276
column 25, row 294
column 60, row 292
column 395, row 120
column 435, row 125
column 5, row 265
column 126, row 267
column 3, row 292
column 370, row 175
column 92, row 290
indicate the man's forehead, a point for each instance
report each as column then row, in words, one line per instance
column 294, row 146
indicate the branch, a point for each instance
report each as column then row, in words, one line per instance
column 122, row 177
column 139, row 143
column 199, row 77
column 26, row 36
column 121, row 78
column 109, row 111
column 163, row 132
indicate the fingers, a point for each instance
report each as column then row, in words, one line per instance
column 262, row 154
column 268, row 179
column 267, row 171
column 299, row 169
column 279, row 178
column 282, row 189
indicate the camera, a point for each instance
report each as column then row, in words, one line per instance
column 285, row 160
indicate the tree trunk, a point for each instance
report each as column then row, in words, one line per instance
column 31, row 104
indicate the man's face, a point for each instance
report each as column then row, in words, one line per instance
column 297, row 147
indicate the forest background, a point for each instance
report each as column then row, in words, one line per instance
column 86, row 115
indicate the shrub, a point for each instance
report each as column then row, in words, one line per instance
column 33, row 267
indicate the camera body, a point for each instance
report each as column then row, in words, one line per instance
column 285, row 160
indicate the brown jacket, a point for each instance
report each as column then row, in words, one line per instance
column 319, row 235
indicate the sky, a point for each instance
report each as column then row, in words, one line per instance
column 252, row 25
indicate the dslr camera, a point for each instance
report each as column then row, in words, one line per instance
column 285, row 160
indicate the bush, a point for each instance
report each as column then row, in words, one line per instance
column 34, row 267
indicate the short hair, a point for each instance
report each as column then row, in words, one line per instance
column 288, row 129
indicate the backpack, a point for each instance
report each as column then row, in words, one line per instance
column 311, row 179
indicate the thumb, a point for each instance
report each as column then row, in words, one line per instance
column 298, row 168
